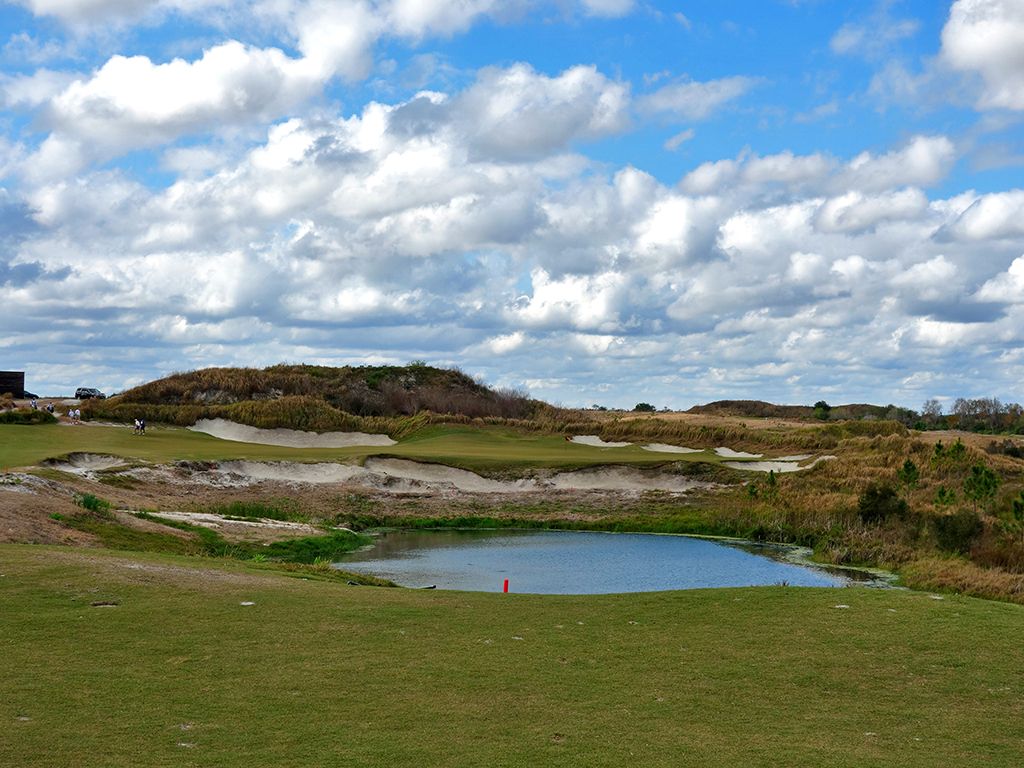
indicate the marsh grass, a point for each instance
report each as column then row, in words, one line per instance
column 276, row 509
column 313, row 549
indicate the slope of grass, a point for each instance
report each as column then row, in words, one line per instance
column 477, row 448
column 175, row 670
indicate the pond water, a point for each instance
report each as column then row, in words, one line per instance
column 577, row 563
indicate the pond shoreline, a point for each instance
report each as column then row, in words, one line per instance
column 796, row 554
column 453, row 556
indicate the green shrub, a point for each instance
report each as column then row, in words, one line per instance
column 956, row 532
column 93, row 503
column 281, row 509
column 27, row 416
column 981, row 485
column 311, row 548
column 880, row 501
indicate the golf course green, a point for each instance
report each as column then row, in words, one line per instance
column 476, row 448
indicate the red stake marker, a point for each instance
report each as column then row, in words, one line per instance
column 505, row 588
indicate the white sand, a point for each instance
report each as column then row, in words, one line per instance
column 287, row 438
column 438, row 475
column 210, row 520
column 765, row 466
column 86, row 463
column 622, row 479
column 777, row 466
column 729, row 453
column 596, row 442
column 291, row 471
column 663, row 448
column 798, row 457
column 402, row 476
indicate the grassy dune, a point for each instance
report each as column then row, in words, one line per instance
column 178, row 672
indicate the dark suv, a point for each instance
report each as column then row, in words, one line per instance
column 85, row 393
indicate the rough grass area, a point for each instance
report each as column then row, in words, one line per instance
column 175, row 537
column 27, row 416
column 156, row 661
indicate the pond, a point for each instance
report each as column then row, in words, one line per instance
column 578, row 563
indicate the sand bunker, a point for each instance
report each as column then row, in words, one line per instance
column 84, row 463
column 663, row 448
column 438, row 475
column 290, row 471
column 400, row 476
column 729, row 453
column 778, row 466
column 596, row 442
column 622, row 479
column 287, row 438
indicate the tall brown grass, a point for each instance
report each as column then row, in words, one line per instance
column 959, row 575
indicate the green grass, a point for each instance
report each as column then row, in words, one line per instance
column 92, row 503
column 487, row 449
column 178, row 672
column 277, row 509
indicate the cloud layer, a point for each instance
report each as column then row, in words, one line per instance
column 491, row 221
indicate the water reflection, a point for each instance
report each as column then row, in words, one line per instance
column 569, row 562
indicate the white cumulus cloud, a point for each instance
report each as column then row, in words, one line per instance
column 986, row 37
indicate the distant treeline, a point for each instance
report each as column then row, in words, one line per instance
column 986, row 414
column 983, row 414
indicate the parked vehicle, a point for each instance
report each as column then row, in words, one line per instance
column 86, row 393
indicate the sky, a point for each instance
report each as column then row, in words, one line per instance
column 599, row 201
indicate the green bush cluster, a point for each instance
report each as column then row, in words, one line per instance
column 956, row 532
column 93, row 503
column 879, row 502
column 27, row 416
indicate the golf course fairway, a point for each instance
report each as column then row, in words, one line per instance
column 144, row 659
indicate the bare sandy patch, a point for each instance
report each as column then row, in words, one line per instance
column 665, row 448
column 596, row 442
column 288, row 472
column 622, row 479
column 401, row 476
column 778, row 466
column 234, row 529
column 729, row 453
column 85, row 463
column 435, row 475
column 287, row 438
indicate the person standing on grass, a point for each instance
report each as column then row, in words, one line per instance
column 142, row 426
column 137, row 426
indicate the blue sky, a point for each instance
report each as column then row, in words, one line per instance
column 603, row 201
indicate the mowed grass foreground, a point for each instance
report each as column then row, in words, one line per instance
column 478, row 448
column 179, row 672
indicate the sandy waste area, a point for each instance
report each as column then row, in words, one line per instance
column 287, row 438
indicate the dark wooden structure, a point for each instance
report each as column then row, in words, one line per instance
column 13, row 382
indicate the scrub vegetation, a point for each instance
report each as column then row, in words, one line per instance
column 893, row 497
